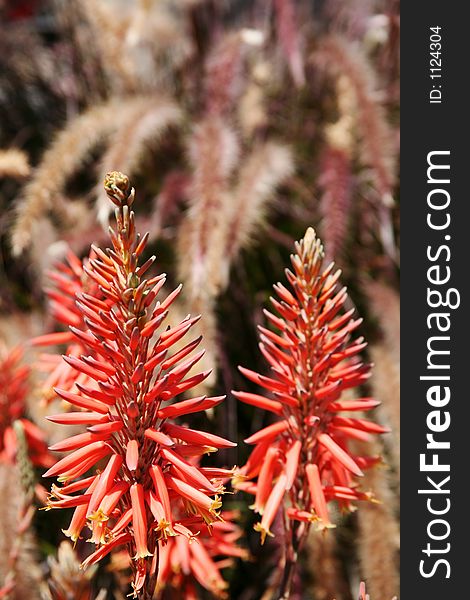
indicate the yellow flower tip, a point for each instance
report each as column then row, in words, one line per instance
column 163, row 524
column 209, row 518
column 264, row 532
column 257, row 509
column 220, row 586
column 164, row 530
column 54, row 493
column 209, row 449
column 208, row 521
column 63, row 478
column 220, row 486
column 237, row 479
column 189, row 507
column 99, row 516
column 323, row 527
column 246, row 556
column 140, row 556
column 215, row 505
column 193, row 538
column 314, row 518
column 73, row 536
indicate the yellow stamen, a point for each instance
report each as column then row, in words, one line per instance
column 264, row 532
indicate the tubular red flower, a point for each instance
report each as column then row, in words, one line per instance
column 271, row 508
column 109, row 502
column 189, row 406
column 191, row 436
column 104, row 550
column 83, row 401
column 338, row 453
column 105, row 481
column 268, row 433
column 93, row 451
column 191, row 473
column 159, row 437
column 260, row 402
column 79, row 516
column 79, row 418
column 78, row 441
column 132, row 455
column 194, row 496
column 292, row 462
column 265, row 479
column 317, row 494
column 139, row 520
column 161, row 491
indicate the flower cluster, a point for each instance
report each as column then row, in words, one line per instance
column 304, row 454
column 13, row 391
column 134, row 376
column 185, row 562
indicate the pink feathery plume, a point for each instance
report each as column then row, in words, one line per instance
column 335, row 182
column 289, row 39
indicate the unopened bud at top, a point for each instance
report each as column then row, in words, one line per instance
column 310, row 248
column 312, row 244
column 118, row 188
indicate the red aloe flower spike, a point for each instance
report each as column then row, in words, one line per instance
column 14, row 388
column 123, row 372
column 302, row 460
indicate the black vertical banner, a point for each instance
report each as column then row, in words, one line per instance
column 435, row 396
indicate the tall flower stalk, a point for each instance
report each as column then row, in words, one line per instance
column 302, row 461
column 148, row 489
